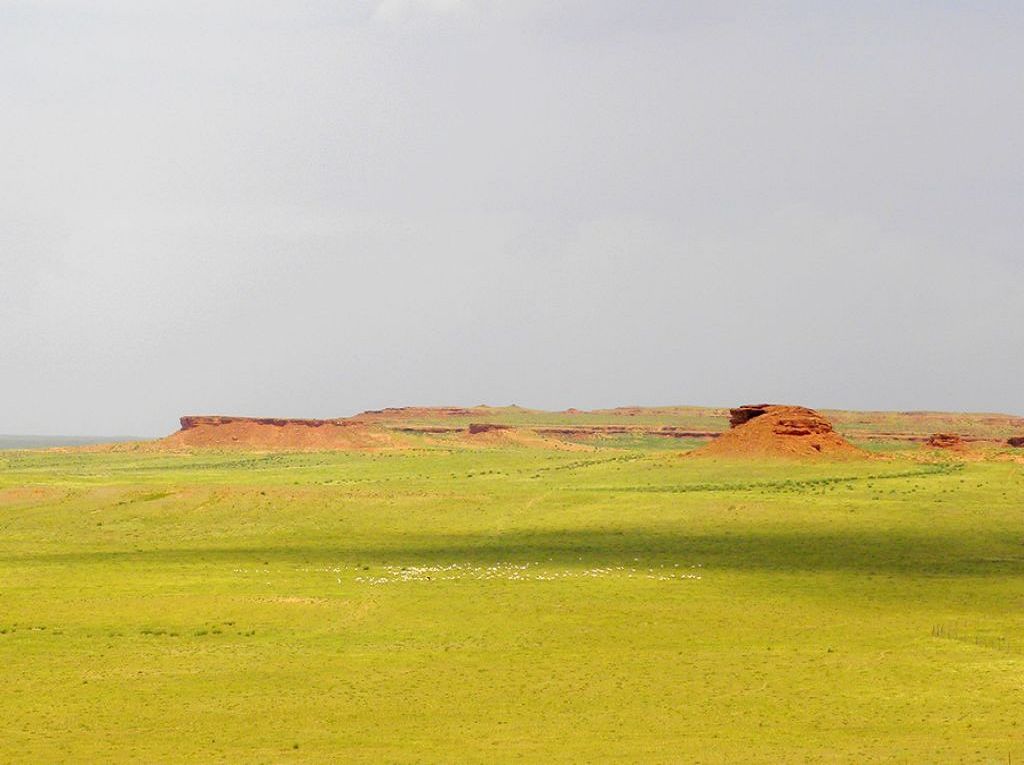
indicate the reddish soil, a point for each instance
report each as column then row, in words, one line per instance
column 773, row 430
column 945, row 441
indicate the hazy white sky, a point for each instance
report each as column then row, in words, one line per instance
column 309, row 208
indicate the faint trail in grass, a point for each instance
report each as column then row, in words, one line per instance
column 580, row 464
column 788, row 485
column 977, row 638
column 142, row 498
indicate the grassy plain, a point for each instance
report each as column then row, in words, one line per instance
column 508, row 604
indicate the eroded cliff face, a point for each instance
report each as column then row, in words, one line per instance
column 272, row 433
column 945, row 441
column 746, row 413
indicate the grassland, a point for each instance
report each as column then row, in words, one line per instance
column 508, row 604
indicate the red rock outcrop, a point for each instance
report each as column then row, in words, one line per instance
column 775, row 430
column 945, row 441
column 746, row 413
column 476, row 428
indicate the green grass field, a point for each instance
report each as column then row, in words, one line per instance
column 508, row 604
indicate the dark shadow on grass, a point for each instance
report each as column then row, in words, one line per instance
column 979, row 554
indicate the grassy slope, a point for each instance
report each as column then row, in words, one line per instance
column 235, row 607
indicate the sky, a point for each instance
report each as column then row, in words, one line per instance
column 312, row 208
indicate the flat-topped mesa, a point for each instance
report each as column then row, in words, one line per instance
column 278, row 433
column 776, row 430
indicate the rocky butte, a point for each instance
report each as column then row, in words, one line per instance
column 777, row 430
